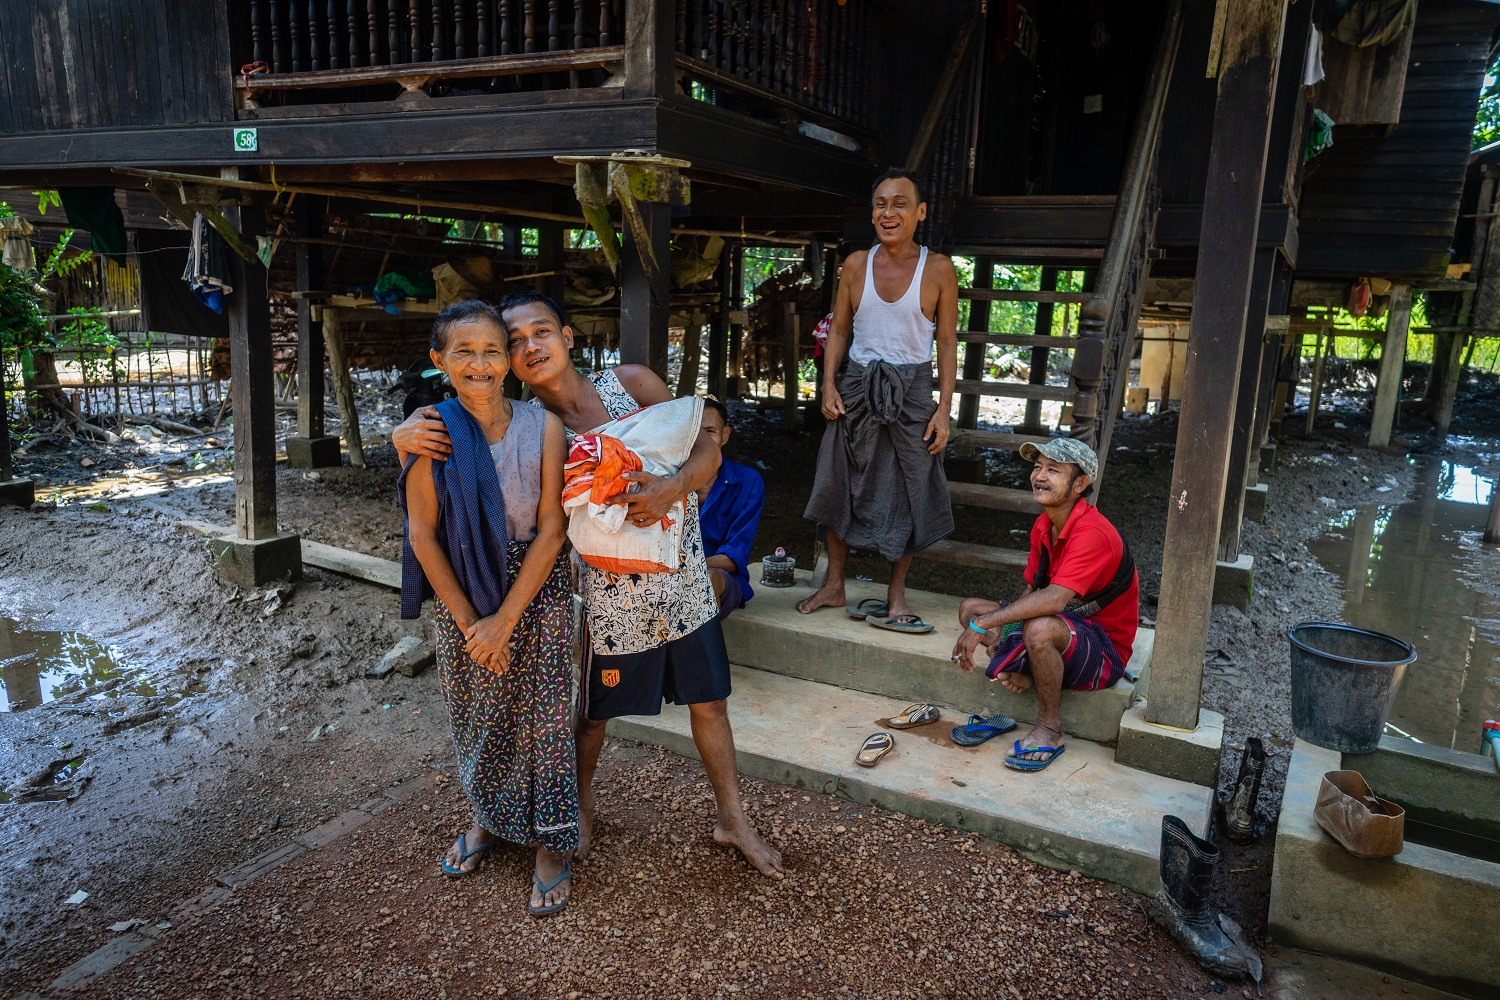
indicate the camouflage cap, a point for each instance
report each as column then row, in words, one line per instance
column 1064, row 450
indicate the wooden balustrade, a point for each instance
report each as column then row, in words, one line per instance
column 812, row 53
column 310, row 36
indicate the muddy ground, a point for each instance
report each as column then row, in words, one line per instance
column 258, row 725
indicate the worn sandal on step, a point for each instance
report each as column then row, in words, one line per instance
column 912, row 624
column 1015, row 763
column 978, row 729
column 876, row 746
column 919, row 714
column 861, row 610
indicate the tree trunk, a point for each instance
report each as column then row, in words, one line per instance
column 43, row 397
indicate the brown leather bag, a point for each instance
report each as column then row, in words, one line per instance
column 1348, row 811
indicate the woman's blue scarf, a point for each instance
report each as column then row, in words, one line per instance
column 471, row 519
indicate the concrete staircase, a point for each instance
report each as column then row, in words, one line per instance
column 809, row 689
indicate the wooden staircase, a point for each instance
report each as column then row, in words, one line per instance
column 1061, row 234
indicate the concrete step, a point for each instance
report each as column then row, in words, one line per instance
column 831, row 648
column 1084, row 813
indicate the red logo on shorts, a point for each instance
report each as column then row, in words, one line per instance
column 609, row 678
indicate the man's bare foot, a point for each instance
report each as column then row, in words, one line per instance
column 830, row 595
column 585, row 824
column 548, row 867
column 1040, row 736
column 1018, row 683
column 473, row 842
column 742, row 837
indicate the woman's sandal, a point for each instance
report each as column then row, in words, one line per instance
column 919, row 714
column 464, row 854
column 546, row 887
column 875, row 746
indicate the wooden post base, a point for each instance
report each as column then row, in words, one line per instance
column 255, row 563
column 17, row 493
column 313, row 452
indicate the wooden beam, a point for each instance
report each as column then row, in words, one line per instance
column 976, row 345
column 925, row 140
column 343, row 386
column 643, row 302
column 1041, row 352
column 718, row 328
column 253, row 389
column 1240, row 451
column 519, row 64
column 309, row 222
column 791, row 410
column 1392, row 354
column 650, row 48
column 359, row 565
column 1231, row 218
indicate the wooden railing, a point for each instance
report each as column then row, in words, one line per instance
column 309, row 36
column 813, row 54
column 1107, row 327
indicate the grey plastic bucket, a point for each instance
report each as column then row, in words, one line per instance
column 1344, row 680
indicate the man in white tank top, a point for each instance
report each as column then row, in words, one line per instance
column 880, row 484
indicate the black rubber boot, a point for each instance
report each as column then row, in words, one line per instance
column 1187, row 876
column 1239, row 808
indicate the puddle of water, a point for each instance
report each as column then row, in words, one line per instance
column 40, row 666
column 1420, row 571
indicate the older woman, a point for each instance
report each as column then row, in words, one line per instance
column 485, row 533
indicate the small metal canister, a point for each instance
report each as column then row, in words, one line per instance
column 778, row 570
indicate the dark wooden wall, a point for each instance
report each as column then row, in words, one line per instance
column 1386, row 204
column 100, row 63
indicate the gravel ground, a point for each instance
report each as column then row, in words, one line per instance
column 874, row 904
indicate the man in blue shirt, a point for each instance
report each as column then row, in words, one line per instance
column 729, row 514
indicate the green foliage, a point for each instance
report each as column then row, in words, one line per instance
column 1487, row 120
column 6, row 211
column 96, row 341
column 21, row 323
column 46, row 200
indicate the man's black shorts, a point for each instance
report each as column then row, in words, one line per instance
column 685, row 671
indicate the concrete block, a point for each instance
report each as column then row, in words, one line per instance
column 1234, row 583
column 1267, row 459
column 17, row 493
column 1191, row 757
column 313, row 452
column 253, row 869
column 253, row 563
column 1417, row 914
column 102, row 960
column 335, row 828
column 1255, row 502
column 831, row 648
column 410, row 656
column 1085, row 813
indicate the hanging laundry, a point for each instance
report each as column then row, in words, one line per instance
column 1312, row 66
column 93, row 209
column 18, row 252
column 207, row 271
column 1319, row 134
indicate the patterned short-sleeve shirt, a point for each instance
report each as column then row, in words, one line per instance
column 634, row 612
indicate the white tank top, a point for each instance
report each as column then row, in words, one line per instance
column 896, row 332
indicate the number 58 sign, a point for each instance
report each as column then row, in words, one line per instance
column 246, row 140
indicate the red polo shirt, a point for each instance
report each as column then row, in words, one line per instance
column 1084, row 560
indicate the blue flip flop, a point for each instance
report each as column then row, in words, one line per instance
column 464, row 854
column 978, row 729
column 544, row 888
column 1015, row 763
column 860, row 610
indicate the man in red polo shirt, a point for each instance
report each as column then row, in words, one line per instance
column 1074, row 624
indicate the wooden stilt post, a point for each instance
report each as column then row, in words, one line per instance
column 644, row 301
column 310, row 447
column 1452, row 374
column 13, row 492
column 1231, row 214
column 1321, row 348
column 256, row 554
column 1244, row 408
column 718, row 328
column 789, row 388
column 734, row 383
column 1392, row 354
column 979, row 322
column 343, row 386
column 1032, row 423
